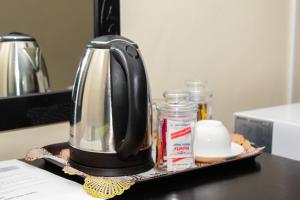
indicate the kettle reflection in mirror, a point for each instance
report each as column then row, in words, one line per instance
column 111, row 111
column 22, row 66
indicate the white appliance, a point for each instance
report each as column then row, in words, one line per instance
column 277, row 128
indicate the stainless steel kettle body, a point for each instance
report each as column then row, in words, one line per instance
column 22, row 67
column 111, row 111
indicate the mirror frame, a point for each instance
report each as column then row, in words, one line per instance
column 54, row 107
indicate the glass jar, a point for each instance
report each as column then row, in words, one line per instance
column 202, row 96
column 176, row 117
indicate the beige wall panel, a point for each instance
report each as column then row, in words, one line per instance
column 240, row 47
column 14, row 144
column 296, row 86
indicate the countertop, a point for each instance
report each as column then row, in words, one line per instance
column 268, row 177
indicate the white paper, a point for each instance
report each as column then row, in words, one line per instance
column 22, row 181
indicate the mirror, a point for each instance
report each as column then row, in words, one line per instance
column 60, row 27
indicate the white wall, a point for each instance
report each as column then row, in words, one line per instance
column 241, row 48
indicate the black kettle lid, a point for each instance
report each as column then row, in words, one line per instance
column 16, row 36
column 107, row 41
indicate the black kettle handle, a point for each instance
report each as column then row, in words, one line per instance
column 131, row 62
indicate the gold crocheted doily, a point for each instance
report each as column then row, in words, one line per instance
column 36, row 153
column 102, row 187
column 105, row 187
column 99, row 187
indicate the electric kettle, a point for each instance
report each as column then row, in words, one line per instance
column 110, row 131
column 22, row 67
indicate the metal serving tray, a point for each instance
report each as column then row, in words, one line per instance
column 154, row 174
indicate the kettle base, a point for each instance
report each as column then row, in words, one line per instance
column 95, row 171
column 103, row 164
